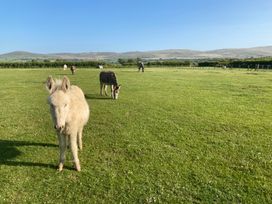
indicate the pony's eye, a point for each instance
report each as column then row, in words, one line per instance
column 65, row 105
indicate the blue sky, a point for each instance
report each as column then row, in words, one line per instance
column 48, row 26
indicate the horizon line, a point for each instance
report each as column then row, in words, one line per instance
column 151, row 50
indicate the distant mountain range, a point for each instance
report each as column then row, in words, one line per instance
column 157, row 54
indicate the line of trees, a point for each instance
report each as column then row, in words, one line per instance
column 254, row 63
column 163, row 63
column 49, row 64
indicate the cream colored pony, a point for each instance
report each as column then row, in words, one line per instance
column 70, row 112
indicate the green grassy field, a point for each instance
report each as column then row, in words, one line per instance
column 173, row 136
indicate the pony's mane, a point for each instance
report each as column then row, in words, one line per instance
column 58, row 83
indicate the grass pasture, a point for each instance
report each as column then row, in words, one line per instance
column 173, row 136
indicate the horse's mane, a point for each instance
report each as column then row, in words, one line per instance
column 57, row 85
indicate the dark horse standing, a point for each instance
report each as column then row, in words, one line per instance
column 141, row 66
column 73, row 69
column 109, row 78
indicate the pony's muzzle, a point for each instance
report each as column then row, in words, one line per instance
column 59, row 127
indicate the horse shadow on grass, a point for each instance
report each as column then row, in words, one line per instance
column 65, row 74
column 96, row 97
column 252, row 73
column 9, row 151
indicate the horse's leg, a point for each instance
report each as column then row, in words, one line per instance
column 73, row 142
column 111, row 88
column 62, row 146
column 79, row 138
column 67, row 142
column 101, row 87
column 105, row 89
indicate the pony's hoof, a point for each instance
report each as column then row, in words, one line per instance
column 60, row 167
column 77, row 166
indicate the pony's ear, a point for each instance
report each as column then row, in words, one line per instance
column 65, row 84
column 50, row 84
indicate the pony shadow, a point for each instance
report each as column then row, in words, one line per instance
column 97, row 97
column 252, row 73
column 9, row 151
column 64, row 74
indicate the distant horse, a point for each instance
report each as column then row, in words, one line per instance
column 141, row 66
column 109, row 78
column 73, row 69
column 70, row 112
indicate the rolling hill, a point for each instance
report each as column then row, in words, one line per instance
column 157, row 54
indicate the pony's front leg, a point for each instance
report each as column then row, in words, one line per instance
column 67, row 142
column 62, row 146
column 105, row 90
column 79, row 138
column 73, row 142
column 101, row 88
column 112, row 89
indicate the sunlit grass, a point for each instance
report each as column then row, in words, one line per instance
column 174, row 135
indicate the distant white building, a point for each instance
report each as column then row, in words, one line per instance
column 64, row 66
